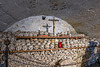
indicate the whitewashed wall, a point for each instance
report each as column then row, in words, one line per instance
column 34, row 22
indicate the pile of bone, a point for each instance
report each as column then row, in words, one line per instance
column 49, row 57
column 26, row 44
column 22, row 44
column 30, row 33
column 35, row 33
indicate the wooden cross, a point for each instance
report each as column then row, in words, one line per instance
column 47, row 26
column 53, row 24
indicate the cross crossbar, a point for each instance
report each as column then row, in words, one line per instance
column 47, row 27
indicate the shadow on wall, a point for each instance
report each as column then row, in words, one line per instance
column 91, row 54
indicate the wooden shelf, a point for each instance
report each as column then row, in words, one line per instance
column 20, row 51
column 25, row 37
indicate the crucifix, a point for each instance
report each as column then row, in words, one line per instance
column 47, row 26
column 53, row 24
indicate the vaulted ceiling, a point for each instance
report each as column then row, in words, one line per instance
column 83, row 15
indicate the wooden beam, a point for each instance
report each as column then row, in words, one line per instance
column 48, row 37
column 20, row 51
